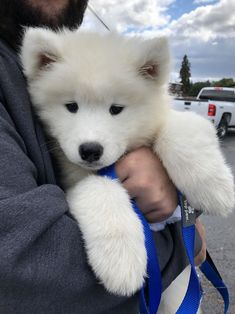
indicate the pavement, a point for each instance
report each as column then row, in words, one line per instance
column 221, row 245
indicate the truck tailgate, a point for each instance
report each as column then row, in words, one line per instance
column 198, row 106
column 201, row 107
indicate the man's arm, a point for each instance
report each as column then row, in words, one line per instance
column 43, row 266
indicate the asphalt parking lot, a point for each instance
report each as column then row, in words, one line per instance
column 221, row 244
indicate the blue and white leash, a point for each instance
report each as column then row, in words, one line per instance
column 150, row 295
column 192, row 299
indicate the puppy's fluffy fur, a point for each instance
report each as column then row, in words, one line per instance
column 96, row 71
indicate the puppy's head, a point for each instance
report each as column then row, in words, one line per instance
column 98, row 95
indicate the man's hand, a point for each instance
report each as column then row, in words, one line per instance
column 144, row 177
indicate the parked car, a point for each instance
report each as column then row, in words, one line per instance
column 214, row 103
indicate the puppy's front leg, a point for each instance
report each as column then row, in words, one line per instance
column 189, row 149
column 112, row 232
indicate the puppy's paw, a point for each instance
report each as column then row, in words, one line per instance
column 190, row 151
column 112, row 232
column 215, row 194
column 119, row 261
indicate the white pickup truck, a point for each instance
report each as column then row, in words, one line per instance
column 214, row 103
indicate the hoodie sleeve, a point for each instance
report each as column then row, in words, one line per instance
column 43, row 266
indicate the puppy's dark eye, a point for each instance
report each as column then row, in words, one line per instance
column 72, row 107
column 116, row 109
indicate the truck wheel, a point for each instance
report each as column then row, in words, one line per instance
column 222, row 128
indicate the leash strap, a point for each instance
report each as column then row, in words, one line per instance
column 192, row 299
column 150, row 294
column 153, row 282
column 212, row 274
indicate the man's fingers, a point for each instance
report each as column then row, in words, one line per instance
column 130, row 187
column 151, row 214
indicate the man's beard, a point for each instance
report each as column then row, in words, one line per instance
column 17, row 14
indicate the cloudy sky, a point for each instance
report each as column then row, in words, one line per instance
column 202, row 29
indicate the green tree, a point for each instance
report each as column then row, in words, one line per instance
column 185, row 75
column 225, row 82
column 197, row 86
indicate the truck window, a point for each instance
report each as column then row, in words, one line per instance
column 220, row 95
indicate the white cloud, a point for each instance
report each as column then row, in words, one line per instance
column 203, row 1
column 207, row 22
column 206, row 34
column 150, row 18
column 132, row 14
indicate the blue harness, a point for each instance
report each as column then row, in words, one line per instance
column 150, row 294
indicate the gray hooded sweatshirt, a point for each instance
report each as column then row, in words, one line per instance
column 43, row 265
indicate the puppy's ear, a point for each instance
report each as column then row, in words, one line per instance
column 40, row 49
column 154, row 63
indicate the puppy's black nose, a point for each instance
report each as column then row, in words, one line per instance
column 91, row 151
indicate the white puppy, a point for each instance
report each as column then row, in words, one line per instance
column 100, row 96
